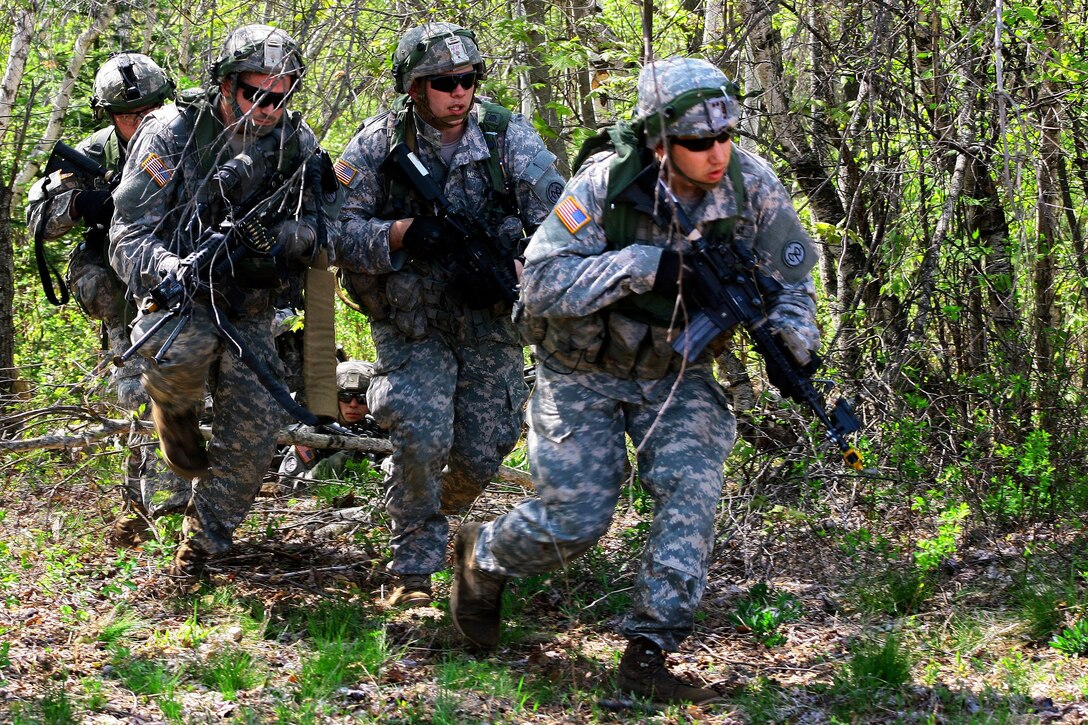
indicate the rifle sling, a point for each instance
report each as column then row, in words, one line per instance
column 46, row 272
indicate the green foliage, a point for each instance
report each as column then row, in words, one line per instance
column 230, row 670
column 764, row 611
column 54, row 708
column 1072, row 640
column 142, row 675
column 932, row 551
column 894, row 590
column 879, row 664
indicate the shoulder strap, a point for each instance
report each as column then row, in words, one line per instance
column 494, row 120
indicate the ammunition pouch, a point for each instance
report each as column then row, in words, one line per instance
column 607, row 342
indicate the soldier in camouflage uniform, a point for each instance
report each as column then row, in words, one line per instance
column 599, row 312
column 448, row 384
column 127, row 87
column 302, row 464
column 175, row 191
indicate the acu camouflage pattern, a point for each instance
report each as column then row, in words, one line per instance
column 149, row 235
column 128, row 81
column 434, row 49
column 572, row 280
column 103, row 297
column 602, row 375
column 663, row 81
column 258, row 48
column 448, row 384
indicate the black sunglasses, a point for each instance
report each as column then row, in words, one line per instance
column 359, row 397
column 703, row 142
column 447, row 84
column 260, row 97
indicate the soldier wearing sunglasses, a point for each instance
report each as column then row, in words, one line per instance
column 302, row 464
column 605, row 294
column 448, row 384
column 175, row 193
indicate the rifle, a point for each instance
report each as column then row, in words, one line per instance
column 217, row 251
column 480, row 256
column 731, row 290
column 66, row 159
column 91, row 174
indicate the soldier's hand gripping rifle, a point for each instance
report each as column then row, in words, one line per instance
column 211, row 264
column 474, row 246
column 91, row 175
column 730, row 290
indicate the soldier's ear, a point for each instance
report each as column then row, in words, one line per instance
column 416, row 89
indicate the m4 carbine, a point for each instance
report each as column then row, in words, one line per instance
column 91, row 175
column 72, row 161
column 730, row 292
column 475, row 247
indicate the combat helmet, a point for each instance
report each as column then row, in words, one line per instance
column 685, row 97
column 127, row 81
column 433, row 49
column 258, row 49
column 354, row 376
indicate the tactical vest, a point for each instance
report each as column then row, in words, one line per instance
column 197, row 108
column 493, row 121
column 621, row 219
column 630, row 338
column 431, row 308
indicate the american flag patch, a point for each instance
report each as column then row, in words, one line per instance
column 156, row 169
column 572, row 214
column 345, row 172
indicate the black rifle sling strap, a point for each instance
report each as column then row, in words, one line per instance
column 46, row 271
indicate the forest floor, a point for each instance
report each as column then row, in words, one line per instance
column 816, row 611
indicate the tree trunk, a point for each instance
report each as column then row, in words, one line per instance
column 9, row 88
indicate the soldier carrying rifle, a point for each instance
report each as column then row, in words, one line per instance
column 434, row 267
column 607, row 288
column 75, row 192
column 216, row 210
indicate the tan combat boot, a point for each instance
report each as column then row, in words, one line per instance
column 643, row 673
column 476, row 596
column 413, row 590
column 180, row 440
column 189, row 562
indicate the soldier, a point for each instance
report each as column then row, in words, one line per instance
column 302, row 463
column 448, row 381
column 127, row 87
column 229, row 160
column 601, row 310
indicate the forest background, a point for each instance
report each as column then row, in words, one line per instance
column 937, row 153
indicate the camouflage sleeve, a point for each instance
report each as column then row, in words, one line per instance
column 146, row 193
column 363, row 240
column 786, row 250
column 50, row 201
column 569, row 270
column 539, row 185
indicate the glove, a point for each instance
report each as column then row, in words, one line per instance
column 671, row 276
column 295, row 237
column 424, row 238
column 95, row 206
